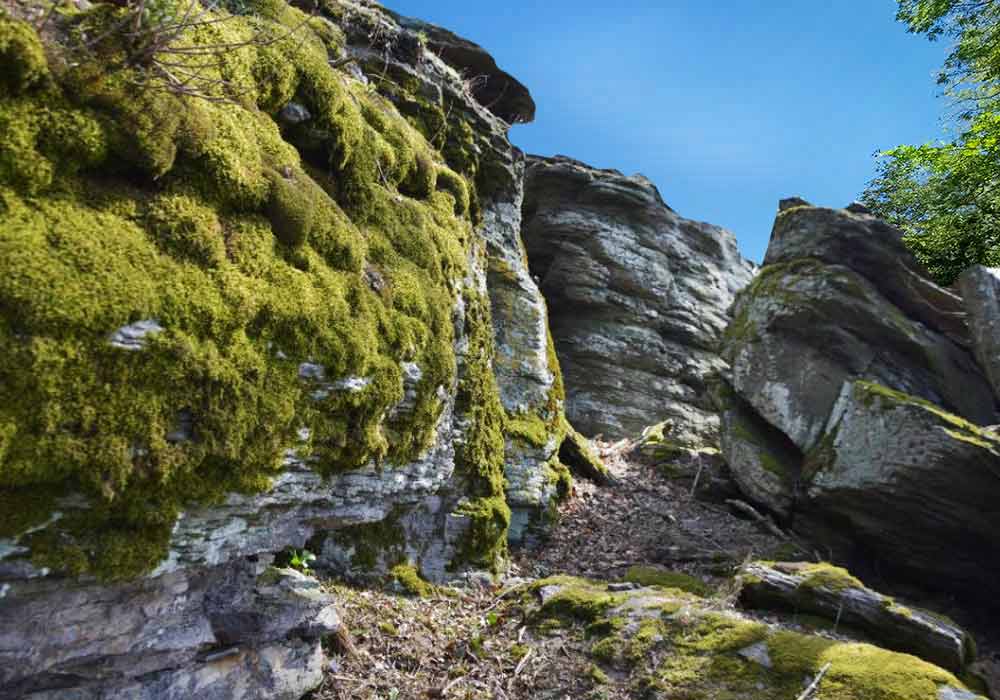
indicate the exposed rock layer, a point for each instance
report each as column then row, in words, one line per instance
column 206, row 618
column 855, row 402
column 638, row 297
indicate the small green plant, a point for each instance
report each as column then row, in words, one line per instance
column 300, row 560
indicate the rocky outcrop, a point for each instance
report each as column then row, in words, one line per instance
column 854, row 407
column 469, row 122
column 980, row 289
column 672, row 643
column 315, row 328
column 832, row 593
column 638, row 298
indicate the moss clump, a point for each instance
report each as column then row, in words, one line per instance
column 407, row 576
column 187, row 228
column 123, row 202
column 529, row 429
column 718, row 633
column 828, row 576
column 559, row 475
column 22, row 56
column 290, row 209
column 597, row 676
column 857, row 671
column 576, row 599
column 654, row 576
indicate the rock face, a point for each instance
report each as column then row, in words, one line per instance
column 638, row 298
column 855, row 404
column 980, row 288
column 472, row 123
column 334, row 343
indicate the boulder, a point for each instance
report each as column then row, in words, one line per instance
column 980, row 288
column 638, row 298
column 668, row 643
column 853, row 401
column 917, row 487
column 832, row 593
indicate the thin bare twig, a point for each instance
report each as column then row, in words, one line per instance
column 814, row 686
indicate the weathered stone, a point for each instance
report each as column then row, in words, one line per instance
column 208, row 621
column 980, row 287
column 214, row 632
column 909, row 482
column 830, row 592
column 842, row 320
column 637, row 295
column 493, row 88
column 133, row 336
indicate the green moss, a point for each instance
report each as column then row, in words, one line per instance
column 654, row 576
column 857, row 671
column 407, row 576
column 529, row 429
column 828, row 576
column 718, row 633
column 290, row 209
column 388, row 629
column 479, row 456
column 577, row 599
column 123, row 204
column 559, row 475
column 606, row 649
column 597, row 676
column 186, row 228
column 22, row 56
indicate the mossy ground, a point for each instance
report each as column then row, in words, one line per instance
column 248, row 245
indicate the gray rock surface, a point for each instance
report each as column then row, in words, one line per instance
column 853, row 402
column 916, row 486
column 638, row 298
column 213, row 632
column 980, row 288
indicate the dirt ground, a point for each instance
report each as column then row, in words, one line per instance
column 475, row 642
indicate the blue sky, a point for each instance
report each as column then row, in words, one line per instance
column 727, row 105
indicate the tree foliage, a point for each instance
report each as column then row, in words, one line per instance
column 945, row 196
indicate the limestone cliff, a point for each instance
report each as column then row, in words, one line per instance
column 638, row 295
column 250, row 313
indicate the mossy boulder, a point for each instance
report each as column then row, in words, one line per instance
column 663, row 643
column 126, row 202
column 832, row 592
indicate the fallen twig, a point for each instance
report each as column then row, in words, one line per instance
column 814, row 686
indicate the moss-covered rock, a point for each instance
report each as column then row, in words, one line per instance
column 670, row 644
column 123, row 201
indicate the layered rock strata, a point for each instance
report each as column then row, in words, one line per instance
column 638, row 298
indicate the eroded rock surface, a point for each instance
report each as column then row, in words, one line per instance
column 855, row 405
column 638, row 298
